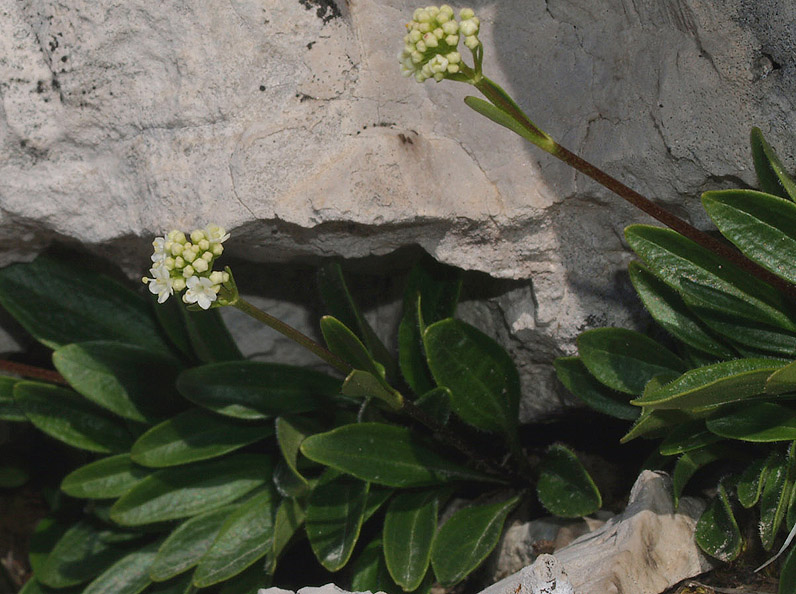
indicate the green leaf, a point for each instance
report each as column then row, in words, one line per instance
column 129, row 575
column 787, row 574
column 409, row 529
column 689, row 463
column 710, row 386
column 342, row 341
column 502, row 118
column 60, row 303
column 209, row 336
column 9, row 411
column 760, row 225
column 369, row 571
column 687, row 436
column 103, row 479
column 467, row 538
column 770, row 172
column 625, row 360
column 750, row 483
column 377, row 496
column 655, row 422
column 738, row 321
column 758, row 422
column 174, row 493
column 249, row 581
column 245, row 537
column 179, row 585
column 83, row 552
column 32, row 586
column 576, row 378
column 124, row 379
column 717, row 532
column 774, row 498
column 437, row 404
column 667, row 308
column 290, row 433
column 188, row 543
column 673, row 258
column 564, row 486
column 255, row 390
column 68, row 417
column 341, row 305
column 192, row 436
column 45, row 536
column 482, row 378
column 334, row 518
column 783, row 380
column 362, row 384
column 431, row 294
column 386, row 455
column 287, row 482
column 289, row 518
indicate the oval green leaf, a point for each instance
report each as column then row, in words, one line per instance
column 186, row 545
column 712, row 385
column 770, row 171
column 576, row 378
column 750, row 483
column 564, row 486
column 192, row 436
column 689, row 463
column 759, row 422
column 129, row 575
column 409, row 528
column 287, row 521
column 783, row 380
column 667, row 308
column 127, row 380
column 103, row 479
column 466, row 539
column 717, row 531
column 334, row 518
column 70, row 418
column 482, row 378
column 342, row 341
column 174, row 493
column 255, row 390
column 625, row 360
column 386, row 455
column 775, row 498
column 369, row 571
column 362, row 384
column 59, row 303
column 245, row 537
column 687, row 436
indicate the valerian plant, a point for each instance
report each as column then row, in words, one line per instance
column 725, row 393
column 202, row 469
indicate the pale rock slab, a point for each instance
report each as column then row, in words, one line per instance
column 326, row 589
column 645, row 550
column 287, row 122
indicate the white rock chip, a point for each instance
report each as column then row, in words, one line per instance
column 645, row 550
column 288, row 123
column 327, row 589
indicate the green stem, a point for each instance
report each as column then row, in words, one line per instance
column 499, row 98
column 292, row 334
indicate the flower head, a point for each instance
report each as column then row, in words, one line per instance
column 183, row 261
column 432, row 39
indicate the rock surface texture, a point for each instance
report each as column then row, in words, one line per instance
column 644, row 550
column 287, row 122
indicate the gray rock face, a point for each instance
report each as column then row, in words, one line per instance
column 289, row 124
column 645, row 550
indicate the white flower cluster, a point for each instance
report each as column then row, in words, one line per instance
column 181, row 262
column 430, row 45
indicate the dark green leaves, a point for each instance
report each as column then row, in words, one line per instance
column 68, row 417
column 103, row 479
column 60, row 303
column 409, row 528
column 192, row 436
column 126, row 380
column 384, row 454
column 175, row 493
column 717, row 532
column 759, row 422
column 334, row 517
column 467, row 538
column 770, row 172
column 573, row 374
column 254, row 390
column 625, row 360
column 482, row 378
column 564, row 486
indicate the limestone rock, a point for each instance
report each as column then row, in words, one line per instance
column 645, row 550
column 288, row 123
column 327, row 589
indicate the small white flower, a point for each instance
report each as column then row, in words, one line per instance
column 201, row 290
column 160, row 284
column 160, row 253
column 215, row 233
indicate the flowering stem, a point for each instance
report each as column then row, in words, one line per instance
column 292, row 334
column 499, row 98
